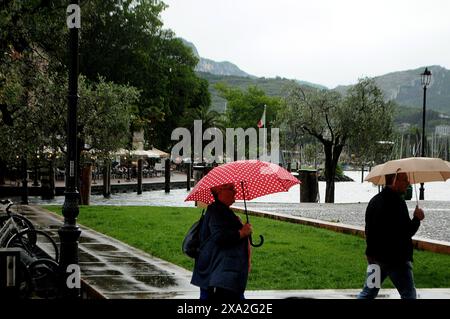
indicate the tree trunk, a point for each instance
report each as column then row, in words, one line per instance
column 85, row 189
column 332, row 153
column 362, row 173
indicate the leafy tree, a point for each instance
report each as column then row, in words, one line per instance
column 245, row 108
column 122, row 41
column 125, row 42
column 373, row 124
column 334, row 120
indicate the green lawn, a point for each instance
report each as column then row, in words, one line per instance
column 292, row 257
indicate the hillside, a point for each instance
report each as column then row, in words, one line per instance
column 404, row 87
column 271, row 86
column 231, row 74
column 219, row 68
column 413, row 116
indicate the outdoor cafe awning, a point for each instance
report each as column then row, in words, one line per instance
column 153, row 153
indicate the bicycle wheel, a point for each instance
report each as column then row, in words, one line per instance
column 21, row 223
column 44, row 276
column 36, row 243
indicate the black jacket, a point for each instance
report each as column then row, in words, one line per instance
column 223, row 257
column 389, row 228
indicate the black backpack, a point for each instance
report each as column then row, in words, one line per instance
column 191, row 243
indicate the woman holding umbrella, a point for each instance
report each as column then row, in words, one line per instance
column 222, row 267
column 221, row 270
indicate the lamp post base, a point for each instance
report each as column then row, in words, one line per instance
column 69, row 234
column 70, row 287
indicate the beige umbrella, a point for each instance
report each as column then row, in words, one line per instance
column 418, row 169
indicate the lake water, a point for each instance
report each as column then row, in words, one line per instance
column 345, row 192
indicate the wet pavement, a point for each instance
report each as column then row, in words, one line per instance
column 116, row 270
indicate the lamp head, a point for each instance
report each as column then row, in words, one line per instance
column 425, row 77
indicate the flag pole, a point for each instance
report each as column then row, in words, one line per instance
column 265, row 133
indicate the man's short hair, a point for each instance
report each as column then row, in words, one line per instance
column 389, row 179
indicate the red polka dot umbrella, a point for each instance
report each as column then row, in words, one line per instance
column 259, row 179
column 251, row 179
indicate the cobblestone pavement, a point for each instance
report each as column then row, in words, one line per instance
column 436, row 224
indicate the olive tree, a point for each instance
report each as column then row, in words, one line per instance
column 335, row 120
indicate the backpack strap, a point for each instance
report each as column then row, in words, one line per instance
column 207, row 238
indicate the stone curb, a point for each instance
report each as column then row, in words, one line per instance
column 435, row 246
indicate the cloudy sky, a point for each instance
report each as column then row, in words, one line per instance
column 329, row 42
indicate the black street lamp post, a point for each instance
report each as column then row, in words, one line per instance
column 70, row 232
column 425, row 79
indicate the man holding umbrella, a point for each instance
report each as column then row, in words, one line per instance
column 221, row 269
column 389, row 231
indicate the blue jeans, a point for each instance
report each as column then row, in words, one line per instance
column 401, row 276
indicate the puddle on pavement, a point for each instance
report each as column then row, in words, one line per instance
column 117, row 259
column 100, row 247
column 114, row 254
column 85, row 239
column 140, row 268
column 86, row 257
column 96, row 269
column 157, row 281
column 115, row 284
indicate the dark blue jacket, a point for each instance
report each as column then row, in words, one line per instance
column 223, row 258
column 389, row 228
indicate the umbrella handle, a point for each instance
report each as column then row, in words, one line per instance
column 260, row 243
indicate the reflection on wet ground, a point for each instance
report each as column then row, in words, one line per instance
column 117, row 270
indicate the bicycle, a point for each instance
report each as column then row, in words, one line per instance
column 39, row 255
column 36, row 243
column 12, row 223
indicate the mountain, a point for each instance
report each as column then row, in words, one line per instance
column 229, row 73
column 272, row 86
column 405, row 88
column 213, row 67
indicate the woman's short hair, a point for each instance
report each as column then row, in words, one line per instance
column 216, row 189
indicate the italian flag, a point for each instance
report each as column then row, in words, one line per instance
column 262, row 121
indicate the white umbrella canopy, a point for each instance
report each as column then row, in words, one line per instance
column 418, row 169
column 142, row 153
